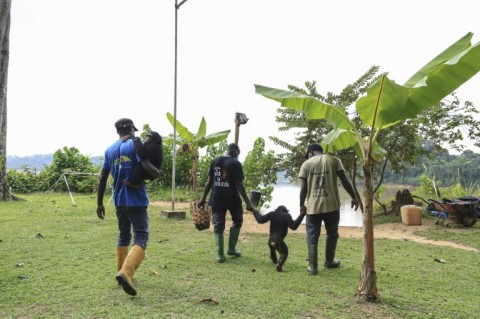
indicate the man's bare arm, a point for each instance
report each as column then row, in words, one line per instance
column 303, row 194
column 348, row 187
column 208, row 186
column 243, row 193
column 102, row 184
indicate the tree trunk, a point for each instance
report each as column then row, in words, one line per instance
column 402, row 198
column 4, row 56
column 195, row 174
column 368, row 277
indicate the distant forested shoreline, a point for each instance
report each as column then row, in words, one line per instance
column 447, row 169
column 36, row 162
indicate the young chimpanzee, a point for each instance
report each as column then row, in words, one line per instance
column 280, row 220
column 151, row 150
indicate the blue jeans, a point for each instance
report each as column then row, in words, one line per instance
column 314, row 223
column 135, row 217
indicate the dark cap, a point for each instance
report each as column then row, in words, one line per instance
column 125, row 124
column 313, row 147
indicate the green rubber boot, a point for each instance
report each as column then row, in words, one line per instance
column 330, row 248
column 312, row 260
column 219, row 244
column 232, row 242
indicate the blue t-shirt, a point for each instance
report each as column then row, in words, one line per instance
column 120, row 159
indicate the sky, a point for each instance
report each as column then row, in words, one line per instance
column 77, row 66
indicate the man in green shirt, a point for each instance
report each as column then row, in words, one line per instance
column 318, row 175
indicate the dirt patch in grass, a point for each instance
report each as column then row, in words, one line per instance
column 178, row 205
column 397, row 231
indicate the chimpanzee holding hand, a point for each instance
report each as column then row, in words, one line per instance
column 280, row 220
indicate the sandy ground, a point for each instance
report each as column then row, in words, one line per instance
column 398, row 231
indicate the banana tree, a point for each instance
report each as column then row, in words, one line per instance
column 191, row 143
column 385, row 104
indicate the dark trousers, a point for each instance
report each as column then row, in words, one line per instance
column 132, row 218
column 314, row 223
column 219, row 213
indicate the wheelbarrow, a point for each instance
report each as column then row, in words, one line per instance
column 464, row 210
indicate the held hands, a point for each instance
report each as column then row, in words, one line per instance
column 101, row 211
column 354, row 204
column 250, row 207
column 303, row 210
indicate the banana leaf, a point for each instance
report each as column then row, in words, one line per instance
column 202, row 129
column 181, row 130
column 200, row 139
column 313, row 108
column 213, row 138
column 387, row 103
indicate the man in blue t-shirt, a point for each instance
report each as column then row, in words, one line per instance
column 130, row 203
column 225, row 179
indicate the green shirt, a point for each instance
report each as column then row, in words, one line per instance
column 322, row 190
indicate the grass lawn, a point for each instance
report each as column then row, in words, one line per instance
column 58, row 261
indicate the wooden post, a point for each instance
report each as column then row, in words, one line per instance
column 240, row 119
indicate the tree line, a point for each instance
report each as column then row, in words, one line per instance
column 67, row 164
column 446, row 169
column 374, row 124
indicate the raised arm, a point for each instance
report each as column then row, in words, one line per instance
column 293, row 224
column 262, row 219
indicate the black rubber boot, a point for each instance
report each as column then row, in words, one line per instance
column 232, row 242
column 330, row 247
column 312, row 260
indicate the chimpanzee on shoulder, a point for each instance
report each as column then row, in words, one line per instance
column 280, row 220
column 151, row 153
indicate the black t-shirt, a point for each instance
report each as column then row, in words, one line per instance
column 225, row 172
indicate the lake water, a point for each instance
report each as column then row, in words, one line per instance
column 289, row 196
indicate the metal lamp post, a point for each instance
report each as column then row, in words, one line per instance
column 173, row 213
column 177, row 7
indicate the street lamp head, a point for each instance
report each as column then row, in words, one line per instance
column 240, row 118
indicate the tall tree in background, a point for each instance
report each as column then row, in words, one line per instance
column 384, row 105
column 314, row 130
column 260, row 170
column 5, row 6
column 449, row 122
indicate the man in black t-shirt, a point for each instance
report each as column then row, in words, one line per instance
column 225, row 179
